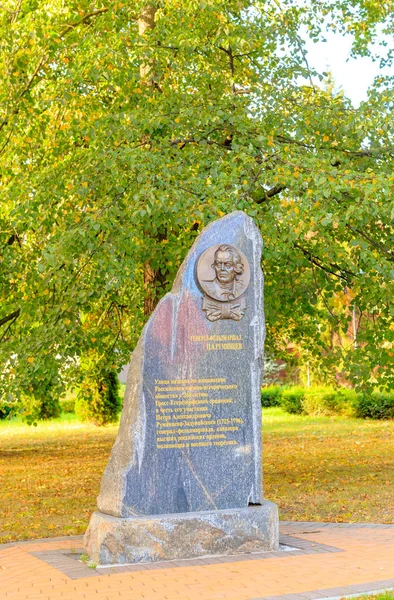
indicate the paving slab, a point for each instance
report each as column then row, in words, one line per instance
column 316, row 561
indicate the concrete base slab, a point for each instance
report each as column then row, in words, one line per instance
column 114, row 540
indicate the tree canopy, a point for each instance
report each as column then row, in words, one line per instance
column 127, row 127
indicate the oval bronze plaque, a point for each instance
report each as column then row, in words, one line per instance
column 223, row 273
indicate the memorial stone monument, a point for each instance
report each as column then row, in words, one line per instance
column 184, row 476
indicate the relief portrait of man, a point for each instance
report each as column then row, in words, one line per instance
column 224, row 281
column 228, row 267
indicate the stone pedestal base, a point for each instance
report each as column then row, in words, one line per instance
column 113, row 540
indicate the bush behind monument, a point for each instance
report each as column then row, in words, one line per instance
column 328, row 401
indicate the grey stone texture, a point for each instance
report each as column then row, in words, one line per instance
column 190, row 433
column 172, row 537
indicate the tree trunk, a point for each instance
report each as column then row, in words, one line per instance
column 146, row 21
column 150, row 281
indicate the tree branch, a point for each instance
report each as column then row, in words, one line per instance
column 332, row 315
column 182, row 142
column 230, row 55
column 45, row 57
column 385, row 251
column 316, row 261
column 86, row 18
column 34, row 75
column 11, row 12
column 12, row 316
column 61, row 34
column 192, row 192
column 361, row 153
column 267, row 194
column 14, row 237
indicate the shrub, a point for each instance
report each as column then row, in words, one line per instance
column 319, row 401
column 292, row 399
column 68, row 405
column 377, row 405
column 271, row 395
column 67, row 402
column 41, row 404
column 49, row 407
column 347, row 402
column 328, row 401
column 98, row 398
column 7, row 409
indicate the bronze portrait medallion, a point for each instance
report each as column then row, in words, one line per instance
column 223, row 274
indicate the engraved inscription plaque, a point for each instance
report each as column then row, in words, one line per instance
column 223, row 274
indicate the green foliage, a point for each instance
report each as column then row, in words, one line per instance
column 319, row 401
column 67, row 402
column 328, row 401
column 375, row 406
column 292, row 400
column 98, row 398
column 68, row 405
column 325, row 401
column 7, row 410
column 49, row 407
column 271, row 396
column 104, row 171
column 42, row 404
column 384, row 596
column 346, row 402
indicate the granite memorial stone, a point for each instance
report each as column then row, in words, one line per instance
column 184, row 476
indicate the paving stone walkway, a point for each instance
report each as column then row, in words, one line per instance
column 316, row 560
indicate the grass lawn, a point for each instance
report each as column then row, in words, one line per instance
column 329, row 469
column 321, row 468
column 385, row 596
column 50, row 476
